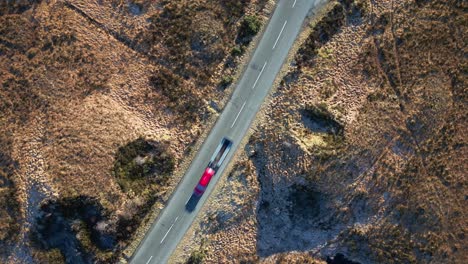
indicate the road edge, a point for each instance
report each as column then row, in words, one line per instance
column 157, row 208
column 260, row 118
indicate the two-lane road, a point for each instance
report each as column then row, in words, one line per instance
column 234, row 121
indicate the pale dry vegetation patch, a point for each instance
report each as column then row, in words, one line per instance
column 81, row 82
column 413, row 124
column 390, row 187
column 399, row 177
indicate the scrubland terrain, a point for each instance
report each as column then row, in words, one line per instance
column 360, row 154
column 99, row 103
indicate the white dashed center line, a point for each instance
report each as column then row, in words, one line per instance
column 169, row 230
column 258, row 77
column 294, row 3
column 149, row 260
column 167, row 233
column 276, row 42
column 238, row 114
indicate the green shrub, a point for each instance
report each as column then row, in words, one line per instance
column 196, row 257
column 140, row 162
column 251, row 25
column 226, row 81
column 237, row 51
column 249, row 28
column 199, row 255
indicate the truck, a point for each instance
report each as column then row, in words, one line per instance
column 215, row 162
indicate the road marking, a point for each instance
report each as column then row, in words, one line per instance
column 167, row 233
column 149, row 260
column 188, row 200
column 238, row 114
column 169, row 230
column 258, row 77
column 294, row 3
column 276, row 42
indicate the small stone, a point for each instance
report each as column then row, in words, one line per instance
column 250, row 150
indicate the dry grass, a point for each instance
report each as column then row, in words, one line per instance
column 76, row 85
column 9, row 205
column 404, row 154
column 393, row 73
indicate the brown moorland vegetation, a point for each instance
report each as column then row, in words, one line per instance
column 389, row 188
column 99, row 103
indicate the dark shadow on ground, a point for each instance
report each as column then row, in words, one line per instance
column 340, row 259
column 320, row 121
column 60, row 222
column 192, row 203
column 293, row 215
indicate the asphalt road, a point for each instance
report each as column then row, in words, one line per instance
column 233, row 123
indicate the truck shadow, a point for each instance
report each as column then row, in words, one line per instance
column 192, row 203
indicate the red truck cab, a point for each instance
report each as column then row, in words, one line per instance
column 215, row 162
column 204, row 181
